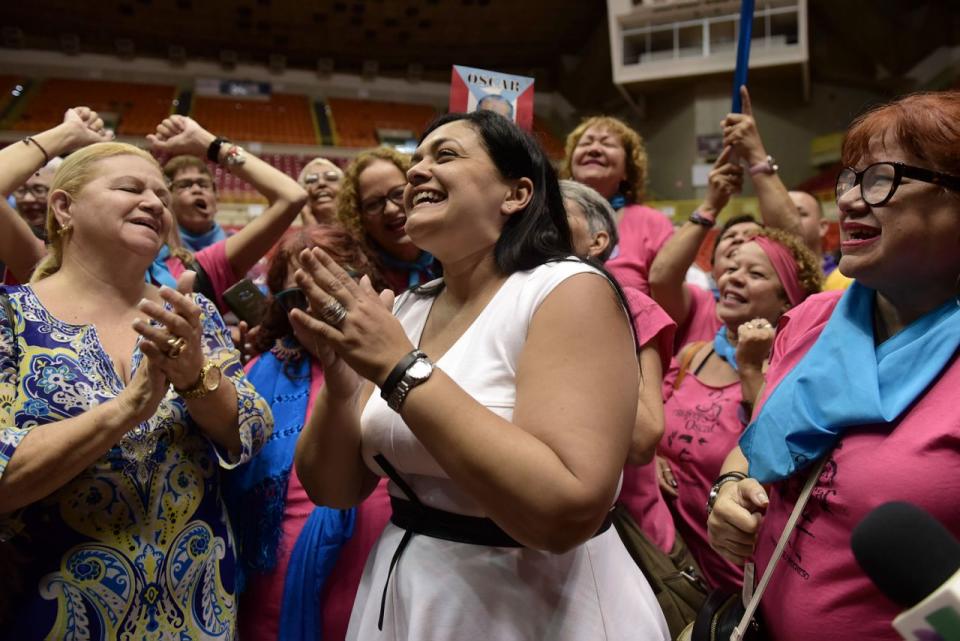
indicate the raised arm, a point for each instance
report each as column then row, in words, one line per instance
column 183, row 135
column 776, row 207
column 669, row 269
column 80, row 127
column 20, row 250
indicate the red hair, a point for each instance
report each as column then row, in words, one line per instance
column 925, row 125
column 331, row 238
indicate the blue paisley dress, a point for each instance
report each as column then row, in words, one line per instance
column 138, row 546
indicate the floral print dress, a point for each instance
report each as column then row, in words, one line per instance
column 138, row 545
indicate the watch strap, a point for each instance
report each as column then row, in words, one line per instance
column 213, row 151
column 407, row 383
column 715, row 489
column 699, row 218
column 396, row 374
column 199, row 388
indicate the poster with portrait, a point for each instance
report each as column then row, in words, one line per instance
column 512, row 96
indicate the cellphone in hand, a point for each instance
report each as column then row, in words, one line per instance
column 246, row 301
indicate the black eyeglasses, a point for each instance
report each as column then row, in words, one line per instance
column 294, row 298
column 879, row 181
column 39, row 191
column 291, row 299
column 183, row 184
column 376, row 206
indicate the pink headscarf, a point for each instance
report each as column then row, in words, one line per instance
column 786, row 267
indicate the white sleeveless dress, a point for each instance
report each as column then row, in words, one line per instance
column 442, row 590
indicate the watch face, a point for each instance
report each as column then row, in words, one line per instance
column 420, row 370
column 211, row 379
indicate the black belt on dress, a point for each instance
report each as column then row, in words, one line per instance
column 413, row 517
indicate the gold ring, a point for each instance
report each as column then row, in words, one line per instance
column 176, row 345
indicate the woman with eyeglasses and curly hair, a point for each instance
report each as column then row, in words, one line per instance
column 289, row 549
column 370, row 205
column 866, row 378
column 606, row 154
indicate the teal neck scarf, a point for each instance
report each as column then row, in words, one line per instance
column 846, row 380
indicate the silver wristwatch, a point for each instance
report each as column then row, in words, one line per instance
column 418, row 372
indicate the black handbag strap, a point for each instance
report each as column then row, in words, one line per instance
column 751, row 607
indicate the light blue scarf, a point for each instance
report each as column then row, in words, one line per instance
column 158, row 273
column 196, row 242
column 724, row 348
column 845, row 380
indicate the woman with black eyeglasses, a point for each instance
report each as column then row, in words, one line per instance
column 867, row 378
column 370, row 205
column 290, row 550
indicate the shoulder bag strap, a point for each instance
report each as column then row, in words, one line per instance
column 751, row 607
column 688, row 355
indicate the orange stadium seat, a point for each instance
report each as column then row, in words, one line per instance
column 284, row 118
column 138, row 107
column 356, row 121
column 551, row 144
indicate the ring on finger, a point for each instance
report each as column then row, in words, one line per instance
column 175, row 345
column 333, row 313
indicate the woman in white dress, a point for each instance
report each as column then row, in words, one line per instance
column 500, row 401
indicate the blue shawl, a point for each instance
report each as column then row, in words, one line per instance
column 724, row 348
column 256, row 493
column 196, row 242
column 158, row 273
column 846, row 380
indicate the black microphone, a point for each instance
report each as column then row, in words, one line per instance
column 913, row 560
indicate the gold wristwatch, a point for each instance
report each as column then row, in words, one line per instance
column 207, row 382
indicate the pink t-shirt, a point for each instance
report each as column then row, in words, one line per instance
column 702, row 424
column 643, row 231
column 214, row 261
column 818, row 584
column 702, row 322
column 640, row 493
column 261, row 602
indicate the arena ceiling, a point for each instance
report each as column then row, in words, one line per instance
column 518, row 36
column 563, row 43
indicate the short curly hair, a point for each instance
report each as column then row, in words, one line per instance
column 634, row 187
column 348, row 200
column 809, row 270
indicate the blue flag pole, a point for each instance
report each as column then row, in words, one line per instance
column 743, row 52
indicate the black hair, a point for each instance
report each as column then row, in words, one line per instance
column 736, row 220
column 540, row 233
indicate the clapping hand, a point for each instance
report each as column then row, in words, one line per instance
column 176, row 345
column 353, row 327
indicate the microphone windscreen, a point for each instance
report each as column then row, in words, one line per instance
column 906, row 552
